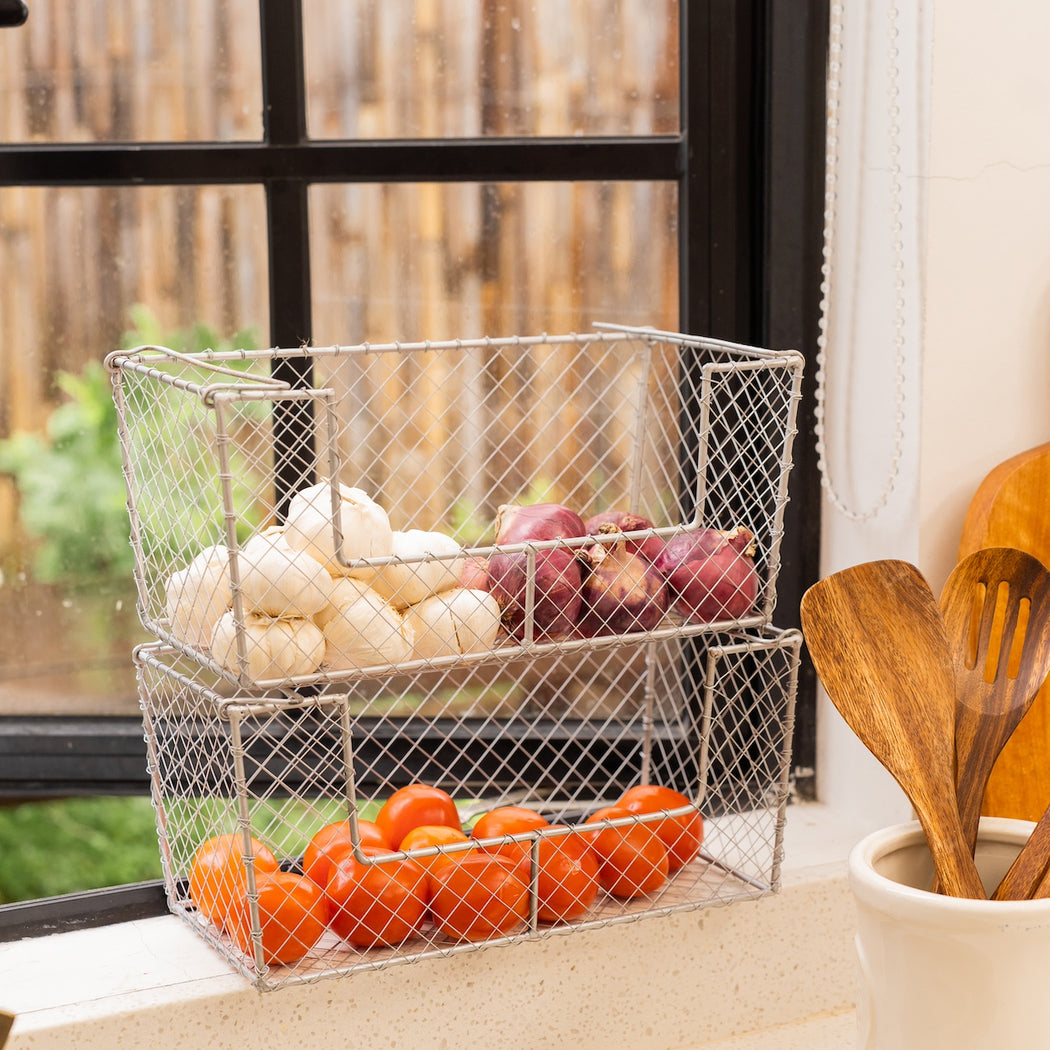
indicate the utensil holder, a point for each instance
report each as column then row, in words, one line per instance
column 939, row 972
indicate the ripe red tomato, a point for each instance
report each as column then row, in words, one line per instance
column 334, row 841
column 293, row 914
column 412, row 807
column 682, row 836
column 509, row 820
column 430, row 835
column 567, row 881
column 632, row 861
column 477, row 897
column 376, row 904
column 218, row 877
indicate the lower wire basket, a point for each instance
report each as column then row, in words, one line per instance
column 546, row 798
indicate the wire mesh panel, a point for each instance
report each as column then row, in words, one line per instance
column 246, row 788
column 510, row 596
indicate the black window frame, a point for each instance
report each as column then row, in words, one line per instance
column 748, row 164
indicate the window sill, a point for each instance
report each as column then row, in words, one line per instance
column 693, row 979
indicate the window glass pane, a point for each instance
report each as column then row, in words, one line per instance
column 69, row 845
column 85, row 269
column 458, row 68
column 442, row 261
column 121, row 70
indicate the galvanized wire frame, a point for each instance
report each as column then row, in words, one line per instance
column 443, row 434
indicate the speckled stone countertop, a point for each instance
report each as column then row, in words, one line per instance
column 770, row 974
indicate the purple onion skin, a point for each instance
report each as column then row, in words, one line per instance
column 625, row 521
column 558, row 596
column 475, row 574
column 622, row 593
column 536, row 521
column 711, row 574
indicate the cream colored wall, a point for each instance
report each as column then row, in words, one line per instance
column 974, row 99
column 986, row 361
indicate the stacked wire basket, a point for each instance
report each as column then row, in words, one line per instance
column 265, row 725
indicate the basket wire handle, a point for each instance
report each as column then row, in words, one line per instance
column 211, row 366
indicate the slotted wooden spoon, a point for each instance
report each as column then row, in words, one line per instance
column 878, row 643
column 996, row 609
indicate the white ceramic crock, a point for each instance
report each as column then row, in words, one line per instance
column 938, row 972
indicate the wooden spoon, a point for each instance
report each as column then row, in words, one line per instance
column 996, row 609
column 878, row 643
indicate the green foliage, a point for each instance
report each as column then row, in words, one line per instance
column 65, row 846
column 146, row 330
column 72, row 498
column 70, row 485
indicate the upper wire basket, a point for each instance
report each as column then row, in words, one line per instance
column 686, row 433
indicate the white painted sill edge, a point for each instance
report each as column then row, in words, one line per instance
column 776, row 969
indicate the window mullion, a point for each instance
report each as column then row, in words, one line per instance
column 288, row 235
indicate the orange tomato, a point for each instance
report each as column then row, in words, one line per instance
column 682, row 836
column 218, row 877
column 293, row 914
column 567, row 880
column 509, row 820
column 334, row 841
column 632, row 861
column 477, row 897
column 412, row 807
column 376, row 904
column 429, row 835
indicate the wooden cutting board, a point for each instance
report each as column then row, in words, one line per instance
column 1011, row 508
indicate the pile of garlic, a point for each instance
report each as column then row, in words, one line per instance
column 305, row 611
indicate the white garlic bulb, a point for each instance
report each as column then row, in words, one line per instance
column 280, row 581
column 344, row 590
column 365, row 527
column 274, row 648
column 196, row 596
column 406, row 583
column 365, row 631
column 454, row 623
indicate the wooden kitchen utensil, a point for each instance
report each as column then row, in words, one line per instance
column 879, row 645
column 1026, row 877
column 1011, row 508
column 996, row 609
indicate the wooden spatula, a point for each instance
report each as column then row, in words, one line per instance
column 996, row 609
column 879, row 646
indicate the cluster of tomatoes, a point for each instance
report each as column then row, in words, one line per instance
column 470, row 887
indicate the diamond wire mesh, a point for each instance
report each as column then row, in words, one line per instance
column 283, row 725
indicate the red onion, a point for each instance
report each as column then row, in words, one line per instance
column 711, row 573
column 538, row 521
column 623, row 591
column 475, row 574
column 625, row 521
column 558, row 598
